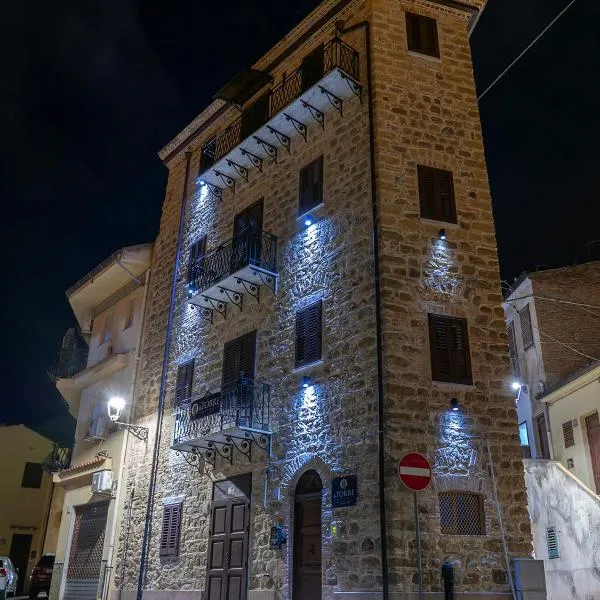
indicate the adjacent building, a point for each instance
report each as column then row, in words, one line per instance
column 25, row 498
column 325, row 298
column 97, row 362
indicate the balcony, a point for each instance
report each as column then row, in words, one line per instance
column 58, row 460
column 216, row 424
column 70, row 362
column 238, row 267
column 328, row 76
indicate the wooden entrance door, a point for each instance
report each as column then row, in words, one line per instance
column 307, row 538
column 544, row 449
column 228, row 550
column 592, row 424
column 20, row 546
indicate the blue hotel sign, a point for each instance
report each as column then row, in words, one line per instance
column 343, row 491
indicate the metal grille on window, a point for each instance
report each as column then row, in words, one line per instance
column 568, row 435
column 552, row 543
column 461, row 513
column 526, row 327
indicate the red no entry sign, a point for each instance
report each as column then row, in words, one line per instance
column 414, row 471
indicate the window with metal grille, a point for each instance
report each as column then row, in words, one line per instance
column 568, row 434
column 526, row 328
column 309, row 334
column 171, row 526
column 512, row 350
column 552, row 542
column 461, row 513
column 422, row 35
column 311, row 185
column 449, row 345
column 185, row 381
column 196, row 262
column 436, row 194
column 32, row 475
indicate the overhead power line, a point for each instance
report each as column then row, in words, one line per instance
column 514, row 62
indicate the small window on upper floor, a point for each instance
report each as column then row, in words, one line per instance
column 32, row 475
column 449, row 346
column 568, row 434
column 309, row 324
column 170, row 530
column 436, row 194
column 526, row 327
column 422, row 35
column 512, row 351
column 311, row 186
column 196, row 262
column 106, row 334
column 129, row 315
column 185, row 382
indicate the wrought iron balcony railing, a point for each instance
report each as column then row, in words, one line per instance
column 58, row 460
column 244, row 405
column 70, row 361
column 336, row 54
column 251, row 248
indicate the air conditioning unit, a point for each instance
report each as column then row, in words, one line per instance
column 98, row 429
column 102, row 482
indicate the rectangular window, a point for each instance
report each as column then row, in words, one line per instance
column 196, row 262
column 309, row 334
column 422, row 35
column 524, row 439
column 129, row 315
column 32, row 475
column 552, row 543
column 449, row 345
column 239, row 357
column 106, row 329
column 526, row 327
column 461, row 513
column 185, row 382
column 436, row 194
column 568, row 436
column 171, row 527
column 311, row 186
column 512, row 351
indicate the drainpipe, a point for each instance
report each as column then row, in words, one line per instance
column 379, row 334
column 163, row 389
column 548, row 430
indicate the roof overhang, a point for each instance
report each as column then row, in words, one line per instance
column 587, row 377
column 81, row 475
column 107, row 278
column 243, row 86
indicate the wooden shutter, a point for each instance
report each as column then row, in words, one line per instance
column 309, row 334
column 311, row 185
column 197, row 252
column 239, row 358
column 436, row 194
column 449, row 346
column 185, row 381
column 171, row 527
column 512, row 350
column 422, row 36
column 568, row 436
column 526, row 328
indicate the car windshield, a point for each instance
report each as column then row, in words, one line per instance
column 46, row 561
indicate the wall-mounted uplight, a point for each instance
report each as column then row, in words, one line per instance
column 454, row 404
column 516, row 386
column 442, row 234
column 308, row 221
column 306, row 382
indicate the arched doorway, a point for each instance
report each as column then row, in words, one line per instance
column 307, row 537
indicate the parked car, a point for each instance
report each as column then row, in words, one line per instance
column 41, row 576
column 9, row 577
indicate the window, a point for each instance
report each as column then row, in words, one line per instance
column 171, row 526
column 32, row 475
column 526, row 328
column 524, row 439
column 461, row 513
column 512, row 351
column 436, row 194
column 552, row 543
column 311, row 185
column 239, row 359
column 568, row 434
column 196, row 263
column 106, row 329
column 308, row 334
column 130, row 313
column 449, row 345
column 185, row 381
column 422, row 35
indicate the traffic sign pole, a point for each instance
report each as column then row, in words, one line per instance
column 418, row 533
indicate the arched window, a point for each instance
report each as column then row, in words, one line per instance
column 462, row 513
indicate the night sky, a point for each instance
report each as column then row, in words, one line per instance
column 92, row 90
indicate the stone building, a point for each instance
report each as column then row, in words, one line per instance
column 324, row 299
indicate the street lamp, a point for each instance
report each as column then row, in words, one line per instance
column 115, row 408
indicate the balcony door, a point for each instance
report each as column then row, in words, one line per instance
column 247, row 236
column 307, row 538
column 239, row 358
column 313, row 67
column 255, row 116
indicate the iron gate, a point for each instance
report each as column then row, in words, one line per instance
column 85, row 558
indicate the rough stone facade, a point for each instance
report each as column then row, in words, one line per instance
column 425, row 113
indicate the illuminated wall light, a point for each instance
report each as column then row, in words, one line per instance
column 454, row 404
column 442, row 234
column 308, row 221
column 516, row 386
column 306, row 382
